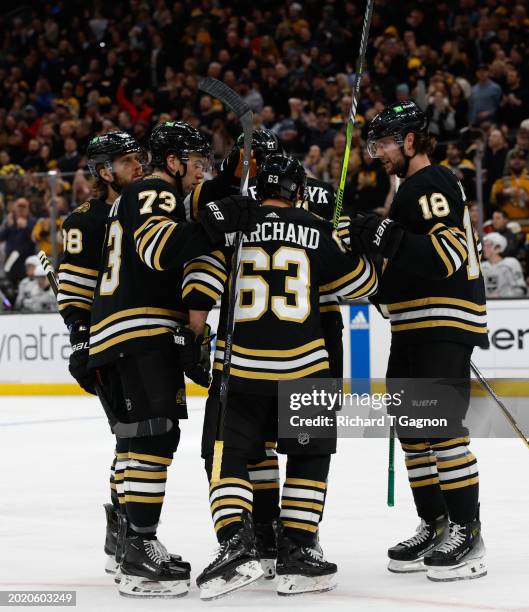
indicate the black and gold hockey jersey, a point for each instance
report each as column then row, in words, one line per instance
column 286, row 263
column 137, row 300
column 433, row 289
column 83, row 236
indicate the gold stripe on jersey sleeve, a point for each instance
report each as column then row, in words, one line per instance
column 330, row 308
column 324, row 365
column 344, row 279
column 365, row 289
column 219, row 255
column 145, row 333
column 202, row 288
column 305, row 348
column 206, row 267
column 146, row 223
column 438, row 323
column 195, row 202
column 79, row 269
column 135, row 311
column 436, row 227
column 442, row 301
column 160, row 247
column 456, row 244
column 442, row 255
column 63, row 287
column 75, row 304
column 145, row 239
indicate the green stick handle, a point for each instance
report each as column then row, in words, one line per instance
column 391, row 468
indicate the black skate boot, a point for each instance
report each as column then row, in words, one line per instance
column 460, row 557
column 235, row 566
column 146, row 571
column 111, row 539
column 171, row 558
column 303, row 569
column 407, row 556
column 265, row 538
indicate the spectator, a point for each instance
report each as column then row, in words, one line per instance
column 42, row 298
column 462, row 167
column 322, row 134
column 515, row 100
column 27, row 285
column 522, row 142
column 16, row 233
column 503, row 275
column 41, row 234
column 485, row 97
column 493, row 162
column 314, row 164
column 499, row 223
column 511, row 193
column 441, row 117
column 137, row 109
column 69, row 162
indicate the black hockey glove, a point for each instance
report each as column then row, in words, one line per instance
column 78, row 365
column 194, row 354
column 372, row 235
column 231, row 214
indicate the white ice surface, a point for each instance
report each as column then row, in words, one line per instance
column 55, row 454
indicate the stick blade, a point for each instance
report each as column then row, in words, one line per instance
column 225, row 94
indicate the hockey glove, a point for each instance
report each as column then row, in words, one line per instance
column 78, row 365
column 231, row 214
column 372, row 235
column 194, row 354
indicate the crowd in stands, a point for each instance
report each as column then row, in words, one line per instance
column 70, row 69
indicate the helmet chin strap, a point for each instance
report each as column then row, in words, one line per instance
column 177, row 175
column 406, row 166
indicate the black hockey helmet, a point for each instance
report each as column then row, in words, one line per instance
column 177, row 138
column 396, row 120
column 281, row 177
column 264, row 143
column 103, row 150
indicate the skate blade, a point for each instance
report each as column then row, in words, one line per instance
column 406, row 567
column 117, row 576
column 244, row 575
column 294, row 584
column 269, row 568
column 111, row 566
column 139, row 587
column 467, row 570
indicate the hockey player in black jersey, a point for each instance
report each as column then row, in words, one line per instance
column 433, row 292
column 277, row 336
column 114, row 160
column 137, row 309
column 319, row 199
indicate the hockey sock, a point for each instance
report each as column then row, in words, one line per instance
column 264, row 477
column 230, row 496
column 459, row 479
column 117, row 473
column 303, row 496
column 113, row 489
column 145, row 478
column 424, row 479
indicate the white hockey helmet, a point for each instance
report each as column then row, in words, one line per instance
column 498, row 241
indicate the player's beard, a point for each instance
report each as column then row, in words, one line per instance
column 393, row 167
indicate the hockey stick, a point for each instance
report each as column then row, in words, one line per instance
column 485, row 384
column 138, row 429
column 230, row 99
column 352, row 114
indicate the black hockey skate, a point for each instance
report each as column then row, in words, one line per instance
column 303, row 569
column 175, row 560
column 147, row 571
column 407, row 556
column 265, row 538
column 111, row 539
column 235, row 566
column 460, row 557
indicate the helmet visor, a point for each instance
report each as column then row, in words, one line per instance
column 377, row 147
